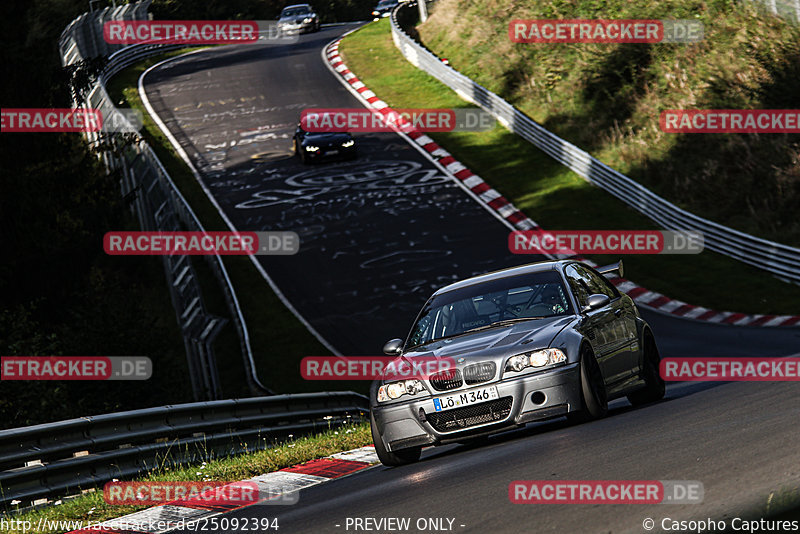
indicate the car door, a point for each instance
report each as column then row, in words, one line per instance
column 601, row 326
column 625, row 322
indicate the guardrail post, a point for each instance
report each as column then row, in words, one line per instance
column 772, row 7
column 423, row 10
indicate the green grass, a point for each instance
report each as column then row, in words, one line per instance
column 607, row 99
column 557, row 198
column 90, row 506
column 783, row 504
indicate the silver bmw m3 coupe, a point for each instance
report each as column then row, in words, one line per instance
column 528, row 343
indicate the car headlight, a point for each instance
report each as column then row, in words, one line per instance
column 395, row 390
column 537, row 358
column 311, row 148
column 375, row 13
column 349, row 143
column 518, row 362
column 307, row 20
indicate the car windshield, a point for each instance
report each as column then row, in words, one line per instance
column 387, row 3
column 295, row 11
column 496, row 302
column 321, row 135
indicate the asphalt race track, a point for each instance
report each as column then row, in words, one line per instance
column 684, row 437
column 378, row 236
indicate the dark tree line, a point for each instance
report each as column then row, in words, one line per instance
column 329, row 10
column 59, row 293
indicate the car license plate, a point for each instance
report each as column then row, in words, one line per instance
column 465, row 398
column 333, row 151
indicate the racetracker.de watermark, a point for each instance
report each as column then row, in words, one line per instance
column 201, row 243
column 76, row 368
column 213, row 493
column 605, row 31
column 191, row 32
column 730, row 121
column 78, row 120
column 730, row 369
column 389, row 120
column 606, row 492
column 372, row 367
column 572, row 242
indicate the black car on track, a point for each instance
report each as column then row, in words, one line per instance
column 316, row 146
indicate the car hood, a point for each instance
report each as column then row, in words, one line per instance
column 496, row 344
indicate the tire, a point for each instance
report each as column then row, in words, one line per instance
column 394, row 458
column 594, row 401
column 655, row 387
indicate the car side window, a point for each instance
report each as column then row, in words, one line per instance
column 422, row 331
column 585, row 282
column 599, row 283
column 579, row 285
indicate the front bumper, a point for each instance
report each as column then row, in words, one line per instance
column 299, row 27
column 557, row 392
column 325, row 153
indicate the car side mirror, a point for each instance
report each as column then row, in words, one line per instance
column 598, row 300
column 393, row 347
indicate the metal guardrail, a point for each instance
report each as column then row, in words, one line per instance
column 157, row 202
column 63, row 458
column 781, row 260
column 789, row 9
column 83, row 37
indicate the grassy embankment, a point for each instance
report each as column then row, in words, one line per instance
column 547, row 192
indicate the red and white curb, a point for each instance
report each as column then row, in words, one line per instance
column 177, row 514
column 516, row 219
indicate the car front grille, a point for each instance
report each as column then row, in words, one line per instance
column 469, row 416
column 479, row 372
column 446, row 380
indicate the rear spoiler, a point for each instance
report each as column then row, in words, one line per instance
column 613, row 269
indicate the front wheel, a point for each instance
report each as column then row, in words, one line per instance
column 594, row 401
column 393, row 458
column 655, row 387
